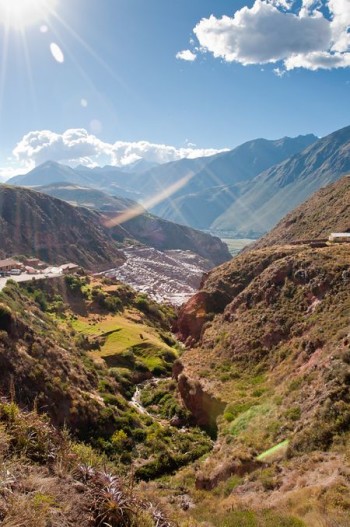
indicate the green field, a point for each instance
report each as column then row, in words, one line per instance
column 122, row 335
column 235, row 245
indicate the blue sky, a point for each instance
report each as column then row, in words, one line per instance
column 270, row 68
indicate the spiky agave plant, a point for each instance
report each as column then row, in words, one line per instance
column 111, row 505
column 158, row 516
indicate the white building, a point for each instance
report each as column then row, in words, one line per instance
column 339, row 237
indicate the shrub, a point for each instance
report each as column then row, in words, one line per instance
column 120, row 440
column 5, row 317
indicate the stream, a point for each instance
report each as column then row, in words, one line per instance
column 136, row 399
column 137, row 404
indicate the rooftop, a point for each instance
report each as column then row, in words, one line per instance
column 7, row 262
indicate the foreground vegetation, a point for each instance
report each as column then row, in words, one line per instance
column 271, row 362
column 49, row 479
column 62, row 371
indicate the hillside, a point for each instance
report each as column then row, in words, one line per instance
column 268, row 197
column 142, row 227
column 32, row 223
column 328, row 210
column 268, row 368
column 49, row 479
column 266, row 376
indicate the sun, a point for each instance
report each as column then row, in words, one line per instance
column 18, row 14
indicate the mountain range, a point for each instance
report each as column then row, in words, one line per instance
column 244, row 191
column 262, row 202
column 192, row 176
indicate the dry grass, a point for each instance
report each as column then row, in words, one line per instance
column 44, row 481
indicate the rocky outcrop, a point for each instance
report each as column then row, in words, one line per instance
column 191, row 319
column 208, row 480
column 219, row 288
column 204, row 407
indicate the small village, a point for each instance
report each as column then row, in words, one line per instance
column 22, row 269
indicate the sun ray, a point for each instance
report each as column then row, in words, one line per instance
column 3, row 66
column 76, row 63
column 148, row 204
column 91, row 51
column 28, row 69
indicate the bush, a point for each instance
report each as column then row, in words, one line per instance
column 5, row 317
column 120, row 440
column 40, row 299
column 75, row 283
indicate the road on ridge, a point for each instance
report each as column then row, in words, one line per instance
column 28, row 278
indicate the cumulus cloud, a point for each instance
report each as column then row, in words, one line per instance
column 312, row 34
column 10, row 171
column 73, row 144
column 187, row 55
column 78, row 146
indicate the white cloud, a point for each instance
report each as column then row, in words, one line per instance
column 279, row 72
column 187, row 55
column 78, row 146
column 8, row 172
column 318, row 60
column 45, row 145
column 271, row 31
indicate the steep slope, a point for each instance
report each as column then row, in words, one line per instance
column 328, row 210
column 32, row 223
column 273, row 193
column 269, row 367
column 45, row 479
column 144, row 228
column 209, row 187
